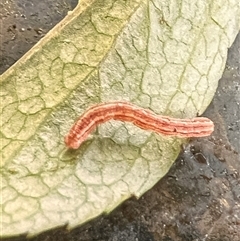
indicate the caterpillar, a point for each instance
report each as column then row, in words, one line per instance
column 143, row 118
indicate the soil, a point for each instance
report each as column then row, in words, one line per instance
column 199, row 199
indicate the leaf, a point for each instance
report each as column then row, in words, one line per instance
column 163, row 55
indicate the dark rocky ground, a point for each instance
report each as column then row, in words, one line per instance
column 199, row 199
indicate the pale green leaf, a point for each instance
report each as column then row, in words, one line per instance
column 164, row 55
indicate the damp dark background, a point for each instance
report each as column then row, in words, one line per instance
column 199, row 199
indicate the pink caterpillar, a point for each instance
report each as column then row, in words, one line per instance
column 143, row 118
